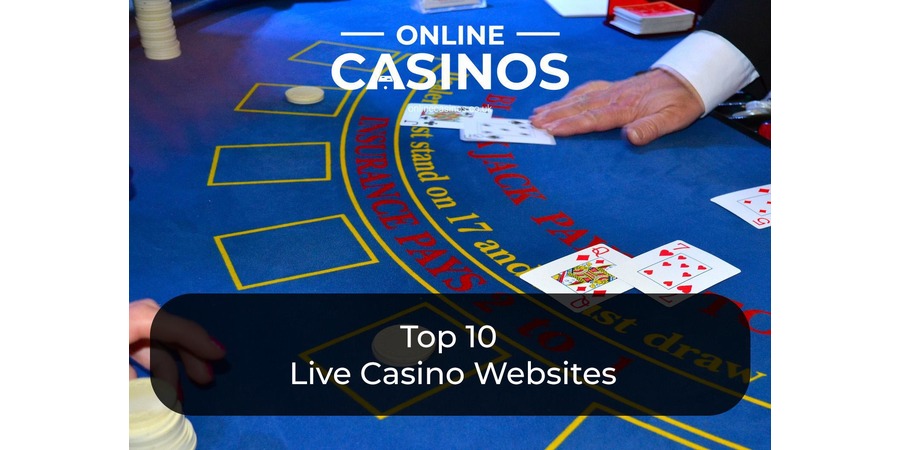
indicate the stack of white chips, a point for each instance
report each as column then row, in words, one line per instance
column 151, row 425
column 157, row 29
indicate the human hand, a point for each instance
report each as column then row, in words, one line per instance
column 193, row 344
column 645, row 106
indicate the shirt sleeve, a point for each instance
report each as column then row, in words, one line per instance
column 713, row 66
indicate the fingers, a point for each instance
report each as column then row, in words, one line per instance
column 583, row 122
column 647, row 106
column 164, row 366
column 140, row 353
column 648, row 128
column 170, row 329
column 569, row 106
column 596, row 111
column 140, row 319
column 187, row 335
column 590, row 87
column 642, row 133
column 190, row 340
column 192, row 343
column 599, row 106
column 199, row 370
column 584, row 89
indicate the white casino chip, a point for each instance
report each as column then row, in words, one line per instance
column 389, row 347
column 304, row 95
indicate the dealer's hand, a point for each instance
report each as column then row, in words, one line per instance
column 645, row 106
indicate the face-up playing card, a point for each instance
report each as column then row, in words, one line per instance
column 754, row 205
column 581, row 279
column 504, row 130
column 441, row 116
column 673, row 272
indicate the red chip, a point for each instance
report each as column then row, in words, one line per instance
column 765, row 130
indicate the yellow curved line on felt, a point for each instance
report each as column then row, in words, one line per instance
column 451, row 241
column 354, row 201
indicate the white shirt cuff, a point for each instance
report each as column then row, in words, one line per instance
column 715, row 67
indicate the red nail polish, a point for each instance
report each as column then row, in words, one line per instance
column 217, row 343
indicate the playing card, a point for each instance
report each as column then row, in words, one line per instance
column 754, row 205
column 504, row 130
column 428, row 4
column 581, row 279
column 580, row 8
column 672, row 273
column 441, row 116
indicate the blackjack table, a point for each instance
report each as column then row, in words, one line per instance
column 235, row 191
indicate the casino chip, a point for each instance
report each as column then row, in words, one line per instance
column 157, row 29
column 151, row 425
column 389, row 347
column 304, row 95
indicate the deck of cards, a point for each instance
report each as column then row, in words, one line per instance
column 669, row 274
column 652, row 18
column 475, row 124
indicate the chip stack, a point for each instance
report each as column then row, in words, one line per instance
column 152, row 425
column 157, row 29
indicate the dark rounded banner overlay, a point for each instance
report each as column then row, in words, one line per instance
column 403, row 354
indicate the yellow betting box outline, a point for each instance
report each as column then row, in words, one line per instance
column 646, row 426
column 240, row 106
column 240, row 286
column 327, row 169
column 503, row 354
column 393, row 53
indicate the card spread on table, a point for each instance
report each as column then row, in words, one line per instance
column 504, row 130
column 674, row 271
column 754, row 205
column 584, row 272
column 441, row 116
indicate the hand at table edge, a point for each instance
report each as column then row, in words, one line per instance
column 646, row 107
